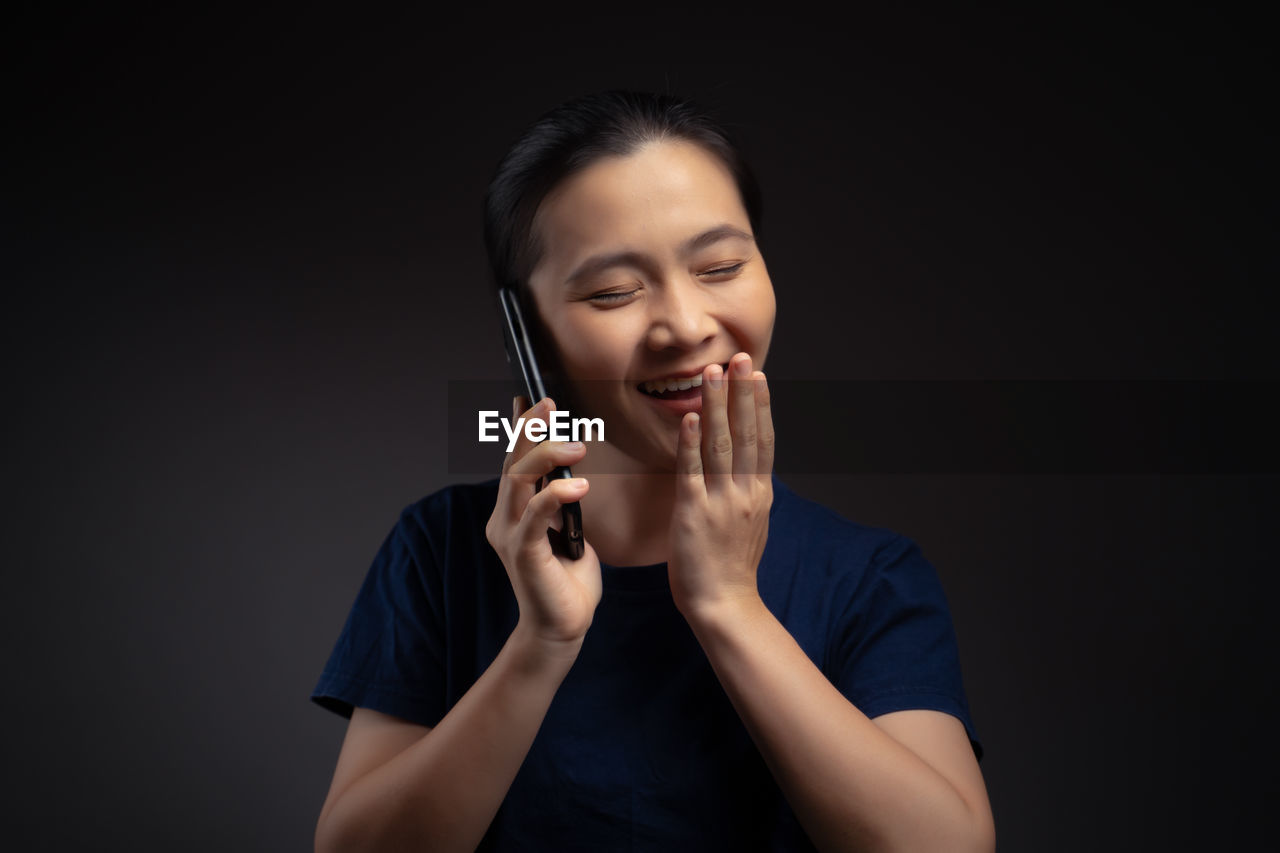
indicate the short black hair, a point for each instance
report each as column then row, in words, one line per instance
column 571, row 137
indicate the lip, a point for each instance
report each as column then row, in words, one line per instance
column 685, row 401
column 685, row 374
column 679, row 403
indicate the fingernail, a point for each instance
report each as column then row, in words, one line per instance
column 742, row 367
column 716, row 377
column 693, row 422
column 573, row 445
column 578, row 482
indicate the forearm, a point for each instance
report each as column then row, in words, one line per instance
column 443, row 791
column 851, row 785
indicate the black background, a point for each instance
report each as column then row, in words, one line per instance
column 243, row 260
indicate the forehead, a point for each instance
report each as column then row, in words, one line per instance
column 658, row 195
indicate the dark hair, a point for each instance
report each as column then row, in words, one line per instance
column 573, row 136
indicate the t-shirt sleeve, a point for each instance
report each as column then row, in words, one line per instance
column 896, row 646
column 390, row 654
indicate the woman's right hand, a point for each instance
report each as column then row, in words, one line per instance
column 557, row 595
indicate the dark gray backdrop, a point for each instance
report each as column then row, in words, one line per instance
column 243, row 259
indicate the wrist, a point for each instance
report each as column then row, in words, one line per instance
column 536, row 652
column 729, row 609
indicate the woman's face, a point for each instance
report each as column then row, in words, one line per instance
column 649, row 271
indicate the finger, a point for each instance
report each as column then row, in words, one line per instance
column 546, row 456
column 717, row 442
column 519, row 403
column 689, row 457
column 542, row 411
column 742, row 416
column 544, row 507
column 514, row 492
column 764, row 424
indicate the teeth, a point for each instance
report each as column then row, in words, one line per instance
column 658, row 386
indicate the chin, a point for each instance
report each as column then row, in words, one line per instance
column 652, row 451
column 637, row 431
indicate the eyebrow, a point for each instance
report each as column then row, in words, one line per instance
column 599, row 263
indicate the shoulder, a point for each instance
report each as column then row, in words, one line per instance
column 459, row 504
column 814, row 551
column 448, row 520
column 806, row 527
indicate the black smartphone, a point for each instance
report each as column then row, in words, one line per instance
column 520, row 352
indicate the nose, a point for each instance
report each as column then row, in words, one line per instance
column 680, row 317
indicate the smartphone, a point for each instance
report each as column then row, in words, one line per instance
column 520, row 352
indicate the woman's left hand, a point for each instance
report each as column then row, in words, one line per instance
column 724, row 490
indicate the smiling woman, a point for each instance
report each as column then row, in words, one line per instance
column 728, row 666
column 648, row 272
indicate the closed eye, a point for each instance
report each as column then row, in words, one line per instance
column 724, row 271
column 616, row 296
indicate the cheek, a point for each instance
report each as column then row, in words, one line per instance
column 756, row 323
column 592, row 351
column 767, row 315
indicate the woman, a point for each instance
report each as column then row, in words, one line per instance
column 728, row 666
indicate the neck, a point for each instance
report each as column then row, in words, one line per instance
column 626, row 515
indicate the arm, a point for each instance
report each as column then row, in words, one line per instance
column 400, row 786
column 907, row 781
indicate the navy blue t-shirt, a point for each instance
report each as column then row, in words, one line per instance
column 640, row 748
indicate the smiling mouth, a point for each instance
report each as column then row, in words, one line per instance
column 675, row 388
